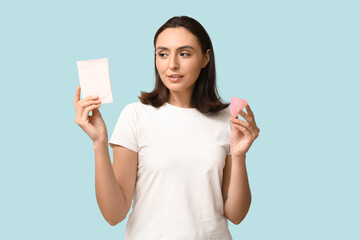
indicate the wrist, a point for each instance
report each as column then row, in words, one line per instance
column 100, row 143
column 239, row 157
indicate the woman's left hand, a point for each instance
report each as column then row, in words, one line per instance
column 243, row 133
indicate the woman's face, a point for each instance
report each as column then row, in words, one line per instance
column 179, row 59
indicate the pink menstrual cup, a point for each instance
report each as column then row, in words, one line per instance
column 236, row 103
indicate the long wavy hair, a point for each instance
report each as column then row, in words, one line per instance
column 205, row 96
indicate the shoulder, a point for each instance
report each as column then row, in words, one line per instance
column 223, row 114
column 138, row 106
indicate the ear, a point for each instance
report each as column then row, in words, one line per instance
column 206, row 58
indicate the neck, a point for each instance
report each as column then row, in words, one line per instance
column 182, row 100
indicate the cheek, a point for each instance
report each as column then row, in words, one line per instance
column 160, row 66
column 194, row 68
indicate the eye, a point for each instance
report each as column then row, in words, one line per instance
column 162, row 55
column 184, row 54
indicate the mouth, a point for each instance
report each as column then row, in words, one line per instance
column 175, row 77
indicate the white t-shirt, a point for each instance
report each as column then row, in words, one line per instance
column 181, row 156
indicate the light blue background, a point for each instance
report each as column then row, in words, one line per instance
column 296, row 62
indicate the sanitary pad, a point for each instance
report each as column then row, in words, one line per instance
column 94, row 79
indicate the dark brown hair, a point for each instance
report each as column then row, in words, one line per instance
column 205, row 96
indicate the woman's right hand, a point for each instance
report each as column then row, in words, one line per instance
column 94, row 126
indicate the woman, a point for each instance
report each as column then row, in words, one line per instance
column 175, row 153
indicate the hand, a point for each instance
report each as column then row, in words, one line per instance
column 243, row 133
column 94, row 126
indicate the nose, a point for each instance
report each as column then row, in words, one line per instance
column 173, row 64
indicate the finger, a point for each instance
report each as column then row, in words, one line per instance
column 77, row 100
column 254, row 131
column 244, row 124
column 87, row 110
column 249, row 111
column 89, row 98
column 242, row 129
column 77, row 95
column 89, row 102
column 81, row 105
column 248, row 133
column 96, row 111
column 94, row 97
column 248, row 118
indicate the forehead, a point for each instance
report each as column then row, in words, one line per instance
column 176, row 37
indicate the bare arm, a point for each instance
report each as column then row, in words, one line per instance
column 235, row 189
column 113, row 193
column 114, row 185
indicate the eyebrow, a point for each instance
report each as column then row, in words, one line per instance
column 179, row 48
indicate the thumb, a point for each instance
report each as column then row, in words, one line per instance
column 96, row 112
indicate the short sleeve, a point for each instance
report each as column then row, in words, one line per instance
column 124, row 133
column 228, row 147
column 229, row 152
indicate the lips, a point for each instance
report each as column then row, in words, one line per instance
column 175, row 77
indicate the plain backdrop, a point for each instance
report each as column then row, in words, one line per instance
column 296, row 63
